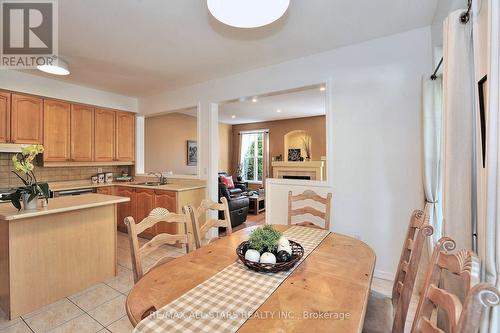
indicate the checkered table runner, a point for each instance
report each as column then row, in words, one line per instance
column 225, row 301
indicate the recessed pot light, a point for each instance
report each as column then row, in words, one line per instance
column 58, row 67
column 322, row 88
column 233, row 116
column 254, row 100
column 247, row 13
column 279, row 111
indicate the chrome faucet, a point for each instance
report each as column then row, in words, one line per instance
column 161, row 178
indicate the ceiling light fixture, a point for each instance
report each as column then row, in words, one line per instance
column 322, row 89
column 247, row 13
column 233, row 116
column 254, row 100
column 279, row 111
column 58, row 67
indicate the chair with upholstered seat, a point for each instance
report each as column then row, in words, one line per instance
column 310, row 195
column 201, row 227
column 157, row 215
column 459, row 317
column 388, row 314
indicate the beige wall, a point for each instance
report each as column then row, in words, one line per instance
column 165, row 140
column 165, row 143
column 225, row 146
column 316, row 126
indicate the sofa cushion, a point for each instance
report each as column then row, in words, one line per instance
column 228, row 181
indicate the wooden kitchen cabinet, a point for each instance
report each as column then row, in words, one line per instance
column 4, row 117
column 145, row 204
column 26, row 119
column 166, row 200
column 125, row 137
column 104, row 138
column 57, row 124
column 126, row 209
column 82, row 133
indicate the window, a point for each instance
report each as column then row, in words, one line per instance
column 252, row 156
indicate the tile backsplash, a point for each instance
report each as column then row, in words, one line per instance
column 56, row 174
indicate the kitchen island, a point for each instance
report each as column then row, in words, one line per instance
column 52, row 252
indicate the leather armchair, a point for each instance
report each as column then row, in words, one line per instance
column 238, row 204
column 239, row 187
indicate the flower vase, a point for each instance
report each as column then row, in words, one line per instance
column 28, row 205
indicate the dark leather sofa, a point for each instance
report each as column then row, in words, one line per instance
column 238, row 203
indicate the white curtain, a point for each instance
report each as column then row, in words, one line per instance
column 433, row 148
column 265, row 171
column 490, row 238
column 458, row 122
column 246, row 140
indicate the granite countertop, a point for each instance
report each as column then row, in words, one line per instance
column 60, row 205
column 174, row 187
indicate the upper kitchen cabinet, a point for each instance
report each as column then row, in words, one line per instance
column 57, row 124
column 82, row 133
column 26, row 119
column 104, row 139
column 4, row 117
column 125, row 136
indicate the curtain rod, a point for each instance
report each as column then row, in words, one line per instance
column 465, row 17
column 434, row 75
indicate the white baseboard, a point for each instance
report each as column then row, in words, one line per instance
column 384, row 275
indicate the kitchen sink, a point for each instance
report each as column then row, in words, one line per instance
column 151, row 183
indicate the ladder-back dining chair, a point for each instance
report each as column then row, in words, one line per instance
column 310, row 195
column 201, row 227
column 388, row 314
column 459, row 317
column 157, row 215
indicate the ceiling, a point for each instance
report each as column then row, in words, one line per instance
column 297, row 104
column 138, row 47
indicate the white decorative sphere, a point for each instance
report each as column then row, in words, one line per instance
column 283, row 241
column 286, row 248
column 267, row 258
column 252, row 255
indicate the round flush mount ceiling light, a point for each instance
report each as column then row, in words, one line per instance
column 247, row 13
column 58, row 67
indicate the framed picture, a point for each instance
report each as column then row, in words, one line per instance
column 482, row 86
column 293, row 155
column 192, row 153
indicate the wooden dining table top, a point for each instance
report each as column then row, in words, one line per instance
column 327, row 292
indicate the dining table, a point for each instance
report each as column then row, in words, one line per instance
column 327, row 292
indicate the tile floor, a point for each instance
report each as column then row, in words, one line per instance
column 101, row 307
column 385, row 287
column 97, row 309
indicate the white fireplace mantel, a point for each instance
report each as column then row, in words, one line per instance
column 313, row 169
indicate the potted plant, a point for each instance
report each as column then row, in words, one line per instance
column 32, row 189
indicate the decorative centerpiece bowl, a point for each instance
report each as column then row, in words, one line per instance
column 267, row 250
column 297, row 253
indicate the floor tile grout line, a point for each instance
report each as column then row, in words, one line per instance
column 106, row 327
column 66, row 321
column 99, row 306
column 29, row 327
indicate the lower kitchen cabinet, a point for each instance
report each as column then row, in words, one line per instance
column 145, row 204
column 127, row 208
column 142, row 202
column 166, row 200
